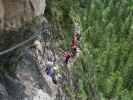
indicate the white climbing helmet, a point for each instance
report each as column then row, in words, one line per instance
column 38, row 45
column 37, row 42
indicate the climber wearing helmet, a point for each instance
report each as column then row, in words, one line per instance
column 74, row 43
column 67, row 56
column 77, row 30
column 50, row 72
column 50, row 69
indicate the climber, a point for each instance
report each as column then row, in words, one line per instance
column 67, row 56
column 50, row 72
column 77, row 30
column 38, row 46
column 74, row 43
column 50, row 62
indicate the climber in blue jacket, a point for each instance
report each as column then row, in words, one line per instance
column 51, row 73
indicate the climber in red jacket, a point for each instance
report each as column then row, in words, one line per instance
column 67, row 56
column 74, row 43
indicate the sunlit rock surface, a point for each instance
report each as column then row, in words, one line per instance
column 13, row 13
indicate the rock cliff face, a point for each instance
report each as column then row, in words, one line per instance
column 29, row 80
column 13, row 13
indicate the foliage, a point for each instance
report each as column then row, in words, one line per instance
column 105, row 66
column 104, row 70
column 58, row 11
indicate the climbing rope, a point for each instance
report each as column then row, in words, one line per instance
column 18, row 45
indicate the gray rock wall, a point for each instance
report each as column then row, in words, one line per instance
column 13, row 13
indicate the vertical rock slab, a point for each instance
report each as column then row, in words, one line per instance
column 16, row 12
column 38, row 6
column 1, row 14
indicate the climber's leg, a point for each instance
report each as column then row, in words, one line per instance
column 66, row 61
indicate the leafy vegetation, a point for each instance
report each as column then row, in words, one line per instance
column 106, row 67
column 104, row 70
